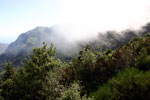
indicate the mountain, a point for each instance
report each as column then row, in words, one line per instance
column 26, row 42
column 35, row 38
column 66, row 50
column 30, row 39
column 3, row 47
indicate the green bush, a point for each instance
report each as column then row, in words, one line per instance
column 130, row 84
column 143, row 60
column 102, row 94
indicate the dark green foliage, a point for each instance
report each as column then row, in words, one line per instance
column 130, row 84
column 83, row 67
column 9, row 71
column 94, row 69
column 103, row 93
column 35, row 70
column 143, row 60
column 7, row 87
column 7, row 83
column 38, row 79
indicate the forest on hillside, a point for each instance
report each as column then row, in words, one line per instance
column 120, row 74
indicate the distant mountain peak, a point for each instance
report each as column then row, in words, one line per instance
column 35, row 38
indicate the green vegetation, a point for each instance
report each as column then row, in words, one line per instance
column 131, row 84
column 121, row 74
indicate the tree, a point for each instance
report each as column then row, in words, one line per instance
column 8, row 83
column 73, row 93
column 83, row 67
column 35, row 70
column 9, row 71
column 52, row 85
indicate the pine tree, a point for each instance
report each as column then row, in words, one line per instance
column 35, row 70
column 9, row 71
column 8, row 83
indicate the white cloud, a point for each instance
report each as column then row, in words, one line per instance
column 105, row 14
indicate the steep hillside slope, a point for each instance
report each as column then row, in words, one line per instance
column 3, row 48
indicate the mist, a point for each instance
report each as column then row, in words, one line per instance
column 85, row 20
column 88, row 17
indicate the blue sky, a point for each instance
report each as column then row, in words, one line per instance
column 19, row 16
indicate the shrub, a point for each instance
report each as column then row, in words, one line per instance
column 130, row 84
column 73, row 93
column 143, row 60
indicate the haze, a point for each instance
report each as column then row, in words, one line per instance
column 85, row 17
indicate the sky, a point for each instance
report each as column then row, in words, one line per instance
column 19, row 16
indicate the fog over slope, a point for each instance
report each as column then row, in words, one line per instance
column 67, row 40
column 35, row 38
